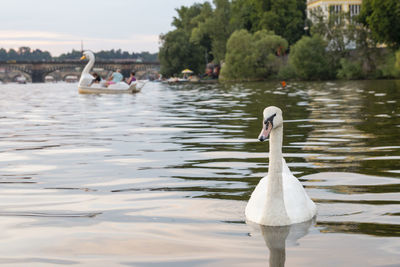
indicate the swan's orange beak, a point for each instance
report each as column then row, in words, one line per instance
column 265, row 131
column 83, row 57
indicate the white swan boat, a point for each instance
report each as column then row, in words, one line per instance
column 86, row 86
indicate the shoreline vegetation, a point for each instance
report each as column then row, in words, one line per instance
column 25, row 53
column 254, row 40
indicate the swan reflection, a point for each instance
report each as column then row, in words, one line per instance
column 277, row 237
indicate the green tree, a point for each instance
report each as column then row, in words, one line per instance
column 338, row 29
column 12, row 55
column 350, row 70
column 382, row 17
column 285, row 17
column 3, row 54
column 177, row 53
column 239, row 59
column 215, row 26
column 310, row 58
column 200, row 34
column 74, row 54
column 397, row 64
column 253, row 56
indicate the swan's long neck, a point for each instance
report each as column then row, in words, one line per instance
column 275, row 153
column 86, row 78
column 88, row 66
column 275, row 199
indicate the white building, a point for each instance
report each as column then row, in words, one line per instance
column 336, row 6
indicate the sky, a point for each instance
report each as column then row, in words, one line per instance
column 58, row 26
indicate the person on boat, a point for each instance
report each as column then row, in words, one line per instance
column 131, row 78
column 97, row 78
column 116, row 77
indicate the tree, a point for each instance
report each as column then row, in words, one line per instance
column 12, row 55
column 215, row 26
column 3, row 54
column 177, row 53
column 382, row 17
column 239, row 61
column 253, row 56
column 310, row 58
column 397, row 64
column 285, row 17
column 74, row 54
column 199, row 33
column 338, row 29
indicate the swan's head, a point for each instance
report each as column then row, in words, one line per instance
column 87, row 54
column 272, row 120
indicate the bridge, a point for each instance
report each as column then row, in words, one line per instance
column 36, row 71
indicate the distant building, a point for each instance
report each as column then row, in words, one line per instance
column 327, row 7
column 334, row 6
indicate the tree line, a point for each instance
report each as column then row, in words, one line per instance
column 264, row 39
column 28, row 54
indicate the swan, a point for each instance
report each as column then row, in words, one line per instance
column 279, row 198
column 85, row 82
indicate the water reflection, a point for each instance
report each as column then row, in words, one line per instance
column 278, row 237
column 173, row 167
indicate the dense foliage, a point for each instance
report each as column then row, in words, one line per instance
column 24, row 53
column 213, row 27
column 310, row 58
column 177, row 52
column 244, row 35
column 111, row 55
column 27, row 54
column 253, row 56
column 397, row 64
column 207, row 27
column 382, row 17
column 284, row 17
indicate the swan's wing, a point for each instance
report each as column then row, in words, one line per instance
column 298, row 204
column 256, row 206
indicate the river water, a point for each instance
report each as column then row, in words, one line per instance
column 162, row 177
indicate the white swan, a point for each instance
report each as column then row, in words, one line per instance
column 279, row 198
column 85, row 82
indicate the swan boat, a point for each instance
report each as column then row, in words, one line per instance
column 85, row 85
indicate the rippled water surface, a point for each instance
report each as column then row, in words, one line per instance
column 161, row 178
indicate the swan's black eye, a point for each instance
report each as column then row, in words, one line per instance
column 270, row 120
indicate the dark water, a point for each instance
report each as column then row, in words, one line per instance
column 161, row 178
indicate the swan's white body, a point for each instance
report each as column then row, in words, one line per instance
column 85, row 85
column 279, row 198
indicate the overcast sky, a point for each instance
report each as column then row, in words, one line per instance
column 58, row 26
